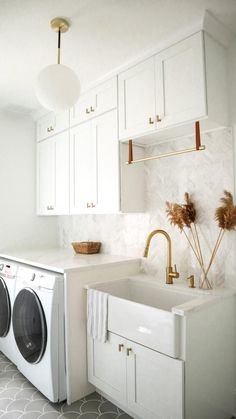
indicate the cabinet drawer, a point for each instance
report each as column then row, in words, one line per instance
column 95, row 102
column 51, row 124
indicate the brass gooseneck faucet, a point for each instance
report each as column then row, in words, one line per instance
column 170, row 274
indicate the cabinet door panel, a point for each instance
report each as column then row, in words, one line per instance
column 46, row 176
column 105, row 133
column 61, row 144
column 51, row 124
column 105, row 96
column 107, row 366
column 155, row 384
column 53, row 175
column 137, row 99
column 83, row 168
column 180, row 77
column 81, row 110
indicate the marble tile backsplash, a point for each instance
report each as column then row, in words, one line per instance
column 205, row 175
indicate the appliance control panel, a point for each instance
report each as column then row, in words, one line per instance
column 8, row 270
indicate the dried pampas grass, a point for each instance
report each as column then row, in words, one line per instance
column 185, row 215
column 226, row 214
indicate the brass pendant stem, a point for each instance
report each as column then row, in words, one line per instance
column 59, row 48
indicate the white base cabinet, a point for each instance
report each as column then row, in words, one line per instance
column 149, row 384
column 53, row 175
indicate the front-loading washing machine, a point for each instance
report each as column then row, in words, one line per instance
column 8, row 272
column 38, row 326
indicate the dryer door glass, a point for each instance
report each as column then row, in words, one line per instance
column 5, row 309
column 29, row 325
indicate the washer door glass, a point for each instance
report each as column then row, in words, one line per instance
column 29, row 325
column 5, row 309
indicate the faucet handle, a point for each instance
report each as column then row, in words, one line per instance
column 175, row 273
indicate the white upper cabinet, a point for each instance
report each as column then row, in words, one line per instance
column 83, row 168
column 137, row 99
column 173, row 89
column 51, row 124
column 95, row 165
column 94, row 102
column 53, row 175
column 180, row 82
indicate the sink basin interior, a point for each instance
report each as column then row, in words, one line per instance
column 145, row 293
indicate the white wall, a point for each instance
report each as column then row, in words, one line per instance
column 232, row 95
column 205, row 175
column 19, row 226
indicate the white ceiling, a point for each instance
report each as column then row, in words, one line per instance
column 104, row 34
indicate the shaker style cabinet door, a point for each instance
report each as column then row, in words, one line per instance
column 46, row 177
column 104, row 130
column 83, row 169
column 51, row 124
column 136, row 88
column 53, row 175
column 107, row 366
column 155, row 384
column 94, row 102
column 180, row 82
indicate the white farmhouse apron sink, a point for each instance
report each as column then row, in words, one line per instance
column 142, row 311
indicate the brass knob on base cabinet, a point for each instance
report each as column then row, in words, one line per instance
column 50, row 207
column 158, row 118
column 92, row 205
column 88, row 205
column 92, row 109
column 48, row 129
column 150, row 121
column 87, row 110
column 128, row 350
column 120, row 347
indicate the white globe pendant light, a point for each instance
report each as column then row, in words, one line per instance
column 58, row 86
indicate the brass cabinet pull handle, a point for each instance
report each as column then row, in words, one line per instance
column 48, row 129
column 151, row 121
column 128, row 350
column 120, row 347
column 93, row 205
column 87, row 110
column 50, row 207
column 88, row 205
column 92, row 109
column 158, row 118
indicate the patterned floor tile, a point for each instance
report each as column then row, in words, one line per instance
column 19, row 399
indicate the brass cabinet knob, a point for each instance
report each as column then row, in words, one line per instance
column 92, row 109
column 93, row 205
column 88, row 205
column 150, row 120
column 48, row 129
column 128, row 350
column 87, row 110
column 158, row 118
column 120, row 347
column 50, row 207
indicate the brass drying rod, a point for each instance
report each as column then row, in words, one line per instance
column 198, row 147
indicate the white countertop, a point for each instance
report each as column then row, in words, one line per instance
column 63, row 260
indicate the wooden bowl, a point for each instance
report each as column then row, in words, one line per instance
column 86, row 248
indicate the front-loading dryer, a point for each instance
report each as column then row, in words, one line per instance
column 38, row 325
column 8, row 272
